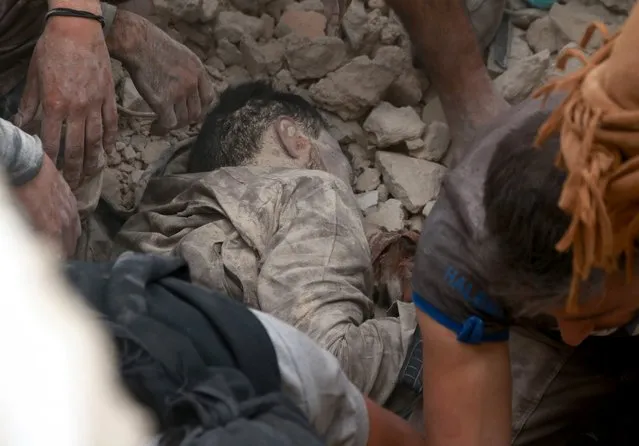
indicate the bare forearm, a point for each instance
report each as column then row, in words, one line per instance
column 387, row 429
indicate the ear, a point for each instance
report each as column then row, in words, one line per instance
column 291, row 137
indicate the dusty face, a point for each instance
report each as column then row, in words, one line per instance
column 613, row 308
column 327, row 155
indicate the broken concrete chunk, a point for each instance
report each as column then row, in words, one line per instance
column 572, row 19
column 209, row 9
column 228, row 53
column 415, row 223
column 436, row 142
column 519, row 48
column 413, row 181
column 358, row 157
column 233, row 25
column 542, row 35
column 131, row 99
column 354, row 24
column 523, row 77
column 368, row 180
column 428, row 207
column 265, row 58
column 154, row 149
column 313, row 58
column 250, row 7
column 344, row 131
column 388, row 125
column 367, row 200
column 406, row 90
column 433, row 111
column 301, row 23
column 383, row 192
column 389, row 215
column 354, row 88
column 524, row 17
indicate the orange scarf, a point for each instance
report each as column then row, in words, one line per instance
column 599, row 127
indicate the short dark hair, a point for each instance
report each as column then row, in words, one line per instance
column 233, row 130
column 521, row 192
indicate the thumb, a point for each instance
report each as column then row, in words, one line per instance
column 30, row 98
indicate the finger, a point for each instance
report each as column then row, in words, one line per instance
column 93, row 143
column 195, row 107
column 71, row 225
column 51, row 134
column 74, row 151
column 182, row 114
column 206, row 90
column 166, row 120
column 109, row 125
column 30, row 100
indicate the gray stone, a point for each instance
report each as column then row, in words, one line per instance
column 354, row 24
column 233, row 25
column 260, row 59
column 436, row 142
column 344, row 131
column 228, row 53
column 433, row 111
column 523, row 77
column 389, row 216
column 428, row 207
column 367, row 200
column 406, row 90
column 523, row 18
column 313, row 58
column 368, row 180
column 236, row 75
column 129, row 153
column 412, row 181
column 359, row 157
column 388, row 125
column 154, row 149
column 354, row 88
column 619, row 6
column 542, row 35
column 383, row 192
column 131, row 99
column 187, row 10
column 209, row 9
column 572, row 19
column 250, row 7
column 519, row 48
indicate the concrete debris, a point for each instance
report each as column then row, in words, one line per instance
column 542, row 35
column 415, row 223
column 428, row 207
column 383, row 192
column 131, row 99
column 368, row 180
column 367, row 200
column 525, row 75
column 389, row 215
column 435, row 143
column 354, row 24
column 359, row 157
column 301, row 23
column 188, row 10
column 413, row 182
column 228, row 52
column 433, row 111
column 313, row 58
column 344, row 131
column 250, row 7
column 388, row 125
column 619, row 6
column 259, row 59
column 406, row 90
column 572, row 19
column 154, row 149
column 233, row 25
column 519, row 48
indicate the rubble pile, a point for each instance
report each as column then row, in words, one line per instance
column 380, row 107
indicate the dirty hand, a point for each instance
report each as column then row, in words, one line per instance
column 169, row 76
column 70, row 76
column 51, row 206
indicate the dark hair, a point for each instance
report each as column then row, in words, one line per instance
column 233, row 130
column 521, row 193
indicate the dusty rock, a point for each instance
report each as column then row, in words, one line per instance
column 406, row 90
column 368, row 180
column 313, row 58
column 415, row 223
column 129, row 154
column 436, row 142
column 524, row 17
column 344, row 131
column 542, row 35
column 307, row 5
column 357, row 86
column 428, row 207
column 413, row 181
column 525, row 75
column 354, row 24
column 433, row 111
column 389, row 215
column 233, row 25
column 519, row 48
column 367, row 200
column 262, row 58
column 187, row 10
column 383, row 192
column 358, row 157
column 154, row 149
column 572, row 19
column 209, row 9
column 131, row 99
column 414, row 145
column 620, row 6
column 114, row 158
column 228, row 52
column 236, row 75
column 250, row 7
column 277, row 7
column 388, row 125
column 301, row 23
column 377, row 4
column 283, row 80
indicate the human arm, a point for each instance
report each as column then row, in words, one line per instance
column 70, row 78
column 39, row 188
column 467, row 389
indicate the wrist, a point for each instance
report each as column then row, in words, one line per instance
column 126, row 36
column 92, row 6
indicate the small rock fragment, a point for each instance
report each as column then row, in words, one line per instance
column 367, row 200
column 388, row 125
column 301, row 23
column 313, row 58
column 428, row 207
column 413, row 181
column 358, row 157
column 433, row 111
column 354, row 24
column 383, row 192
column 619, row 6
column 414, row 145
column 542, row 35
column 154, row 149
column 233, row 25
column 368, row 180
column 265, row 58
column 519, row 48
column 415, row 223
column 389, row 215
column 131, row 99
column 228, row 53
column 344, row 131
column 129, row 154
column 187, row 10
column 436, row 142
column 406, row 90
column 523, row 77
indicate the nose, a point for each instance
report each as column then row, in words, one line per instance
column 574, row 333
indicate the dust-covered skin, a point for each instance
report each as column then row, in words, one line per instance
column 70, row 77
column 168, row 75
column 289, row 242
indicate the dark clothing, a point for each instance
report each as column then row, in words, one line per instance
column 202, row 363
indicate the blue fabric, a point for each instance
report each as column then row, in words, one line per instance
column 471, row 331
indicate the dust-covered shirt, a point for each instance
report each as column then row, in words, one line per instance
column 454, row 278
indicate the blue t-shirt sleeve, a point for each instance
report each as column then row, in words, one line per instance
column 447, row 286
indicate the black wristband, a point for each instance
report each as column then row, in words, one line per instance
column 67, row 12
